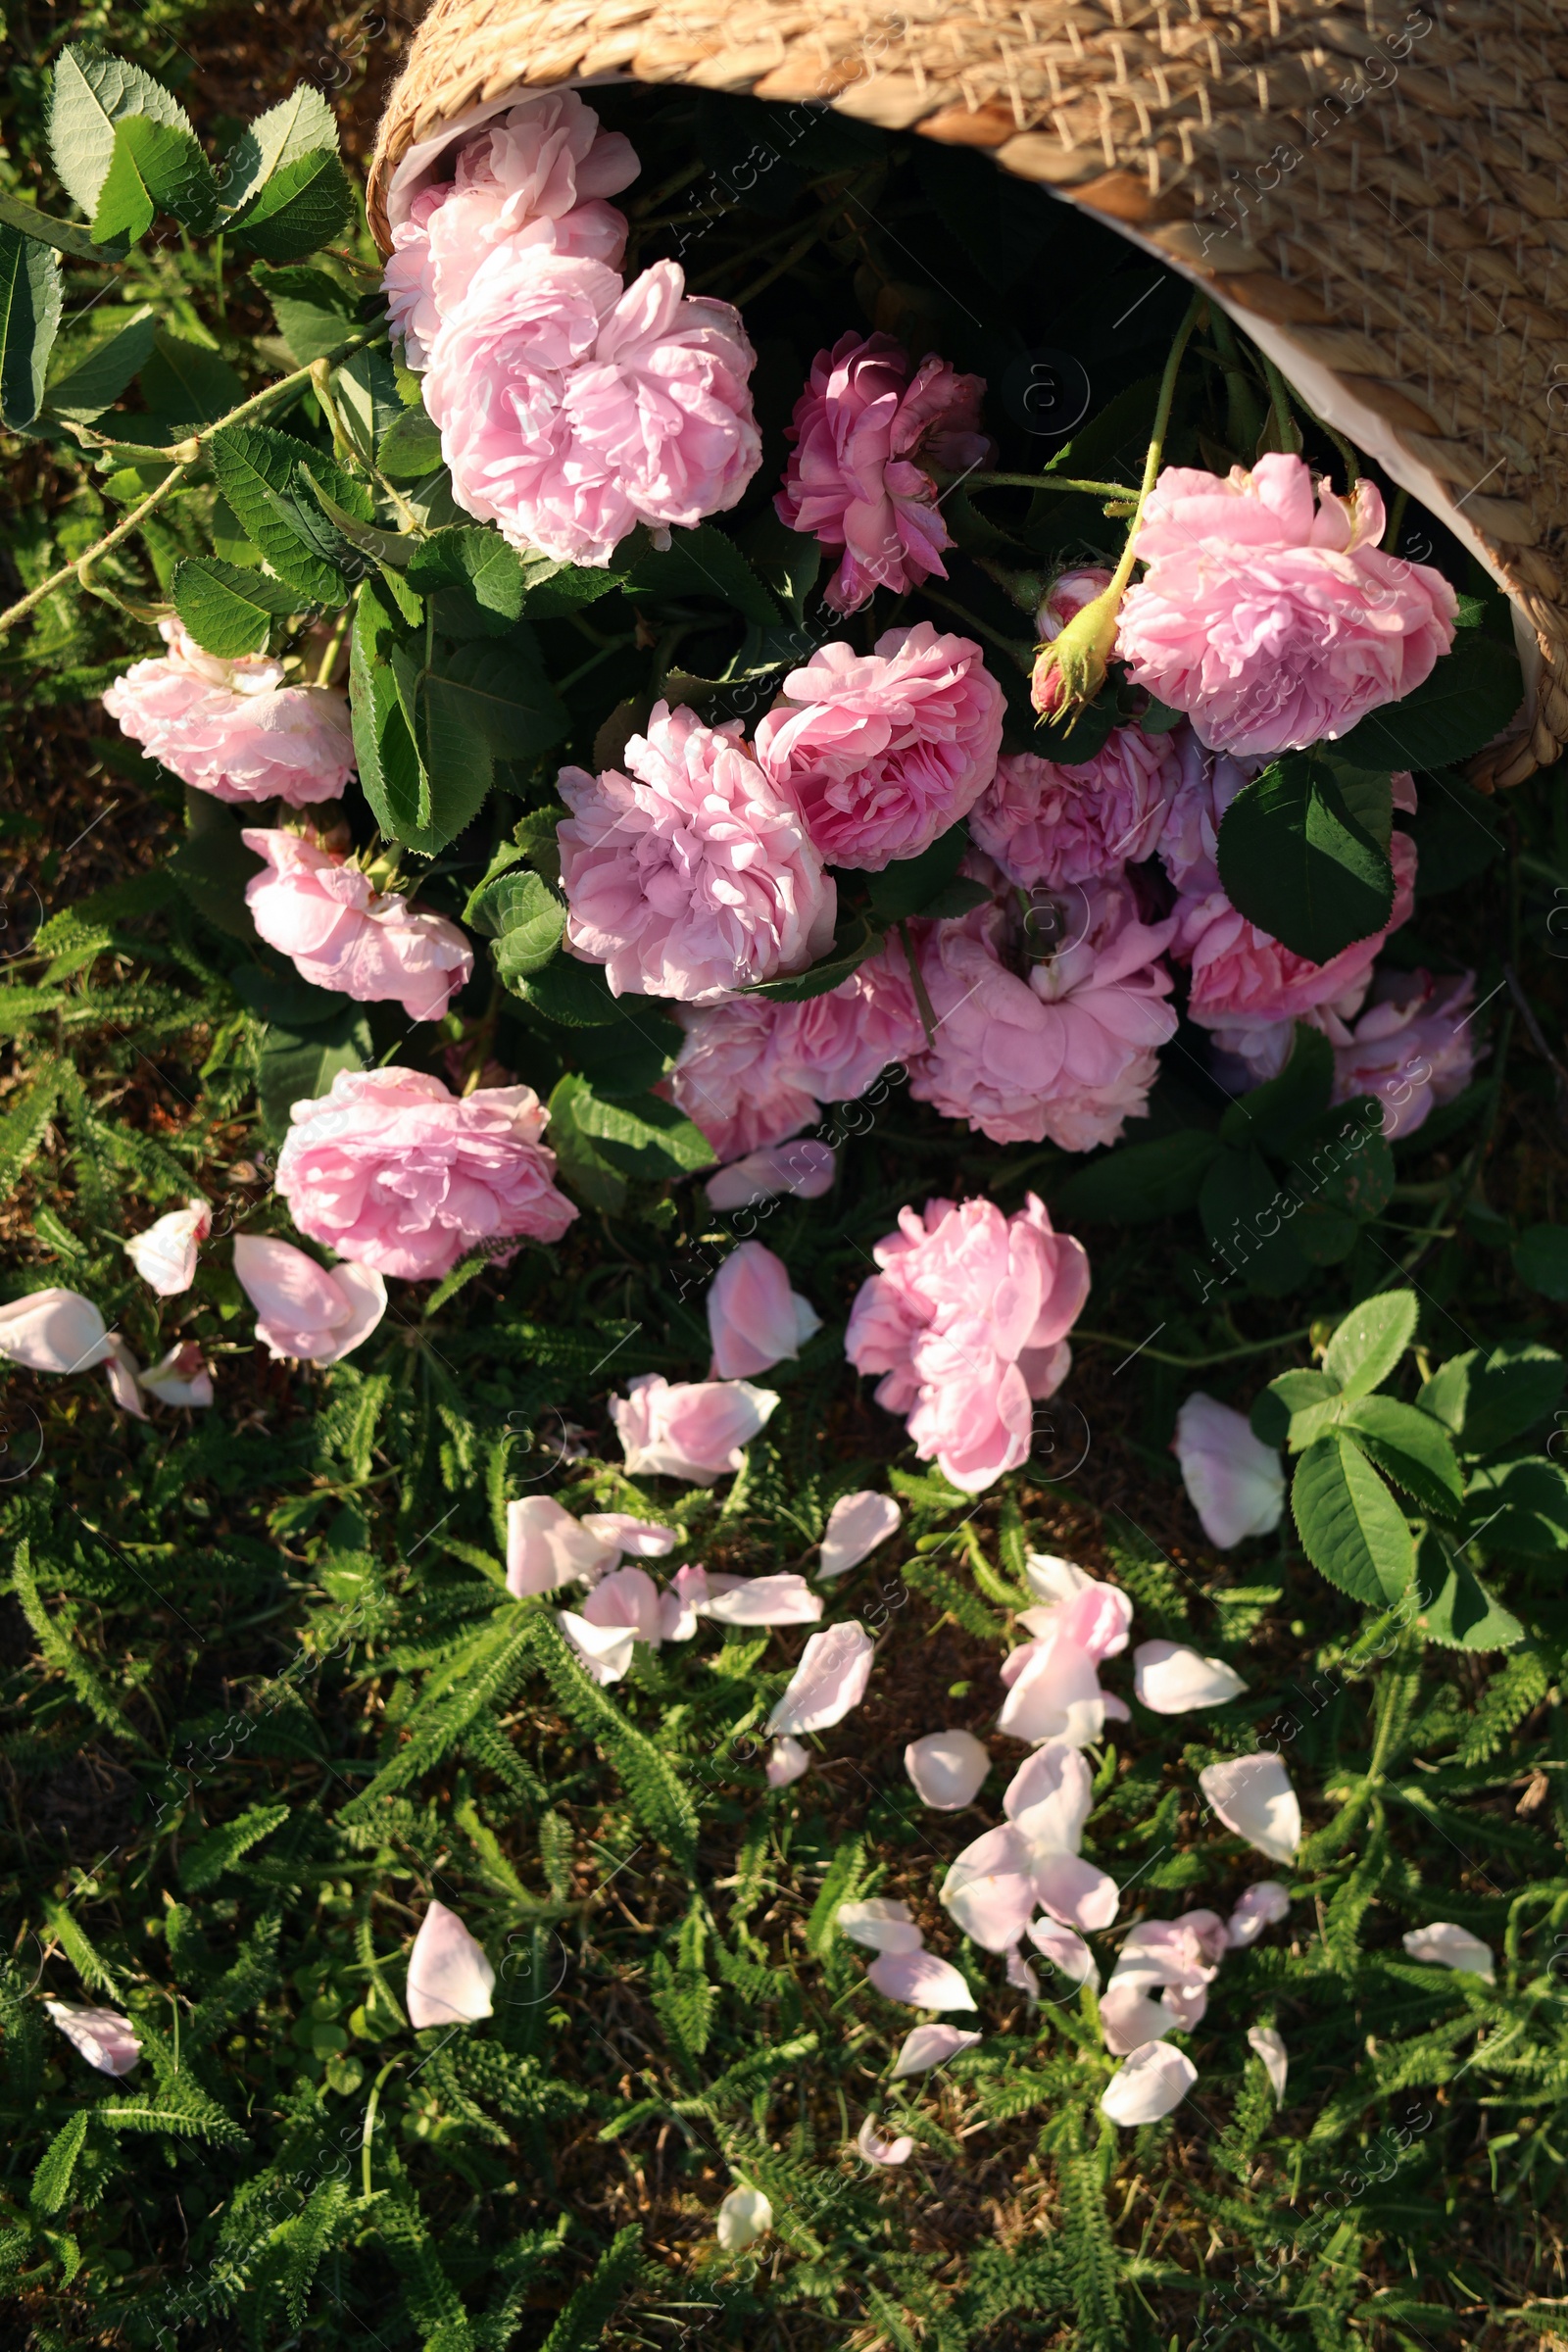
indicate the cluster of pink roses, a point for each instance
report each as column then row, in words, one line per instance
column 233, row 728
column 572, row 406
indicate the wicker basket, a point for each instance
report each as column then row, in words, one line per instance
column 1379, row 200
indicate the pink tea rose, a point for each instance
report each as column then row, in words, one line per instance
column 804, row 1168
column 233, row 728
column 1068, row 1052
column 754, row 1318
column 392, row 1170
column 450, row 1975
column 967, row 1321
column 105, row 2038
column 691, row 875
column 696, row 1429
column 752, row 1073
column 1044, row 823
column 1272, row 623
column 165, row 1255
column 883, row 751
column 317, row 1315
column 572, row 407
column 1070, row 592
column 1235, row 1483
column 339, row 932
column 854, row 477
column 1243, row 983
column 536, row 175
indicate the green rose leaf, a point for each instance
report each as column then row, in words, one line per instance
column 154, row 169
column 226, row 609
column 1351, row 1527
column 302, row 205
column 29, row 316
column 1540, row 1260
column 92, row 93
column 1489, row 1401
column 1410, row 1447
column 256, row 469
column 528, row 920
column 90, row 371
column 302, row 124
column 1458, row 1611
column 1287, row 1401
column 1298, row 862
column 1370, row 1341
column 1141, row 1182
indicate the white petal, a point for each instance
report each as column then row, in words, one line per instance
column 604, row 1650
column 1064, row 1950
column 855, row 1525
column 105, row 2038
column 1261, row 1906
column 877, row 2150
column 1148, row 2084
column 947, row 1769
column 831, row 1677
column 1271, row 2049
column 165, row 1255
column 53, row 1331
column 745, row 2216
column 450, row 1976
column 926, row 2046
column 1235, row 1483
column 1450, row 1947
column 1252, row 1795
column 1055, row 1579
column 921, row 1979
column 762, row 1600
column 881, row 1924
column 1171, row 1680
column 787, row 1759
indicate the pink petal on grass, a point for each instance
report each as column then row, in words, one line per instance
column 1148, row 2084
column 926, row 2046
column 855, row 1525
column 831, row 1677
column 450, row 1976
column 921, row 1980
column 948, row 1769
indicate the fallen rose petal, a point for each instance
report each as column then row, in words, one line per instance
column 54, row 1331
column 1450, row 1947
column 803, row 1167
column 921, row 1980
column 1064, row 1950
column 105, row 2038
column 745, row 2216
column 314, row 1313
column 450, row 1978
column 855, row 1525
column 627, row 1598
column 696, row 1429
column 948, row 1769
column 831, row 1677
column 547, row 1547
column 925, row 2046
column 180, row 1377
column 1170, row 1679
column 877, row 2150
column 124, row 1377
column 787, row 1760
column 683, row 1598
column 755, row 1320
column 1235, row 1483
column 1270, row 2047
column 602, row 1650
column 1261, row 1906
column 1148, row 2085
column 762, row 1600
column 642, row 1538
column 989, row 1890
column 1074, row 1891
column 165, row 1255
column 1021, row 1976
column 881, row 1922
column 1252, row 1795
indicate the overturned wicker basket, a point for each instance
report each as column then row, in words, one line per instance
column 1379, row 199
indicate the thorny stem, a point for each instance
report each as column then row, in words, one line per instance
column 1047, row 481
column 186, row 455
column 1157, row 446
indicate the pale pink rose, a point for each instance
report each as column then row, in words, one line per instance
column 755, row 1320
column 921, row 1979
column 882, row 1923
column 1252, row 1795
column 1243, row 982
column 181, row 1377
column 1411, row 1048
column 967, row 1321
column 927, row 2047
column 877, row 2149
column 393, row 1172
column 1169, row 1679
column 948, row 1769
column 1063, row 601
column 571, row 408
column 1047, row 823
column 1235, row 1483
column 1068, row 1052
column 1271, row 624
column 1261, row 1906
column 787, row 1761
column 691, row 875
column 854, row 477
column 233, row 728
column 534, row 176
column 752, row 1073
column 547, row 1547
column 803, row 1167
column 1173, row 1959
column 696, row 1429
column 317, row 1315
column 883, row 751
column 165, row 1255
column 831, row 1677
column 1445, row 1944
column 105, row 2038
column 340, row 933
column 1148, row 2084
column 1205, row 784
column 855, row 1525
column 450, row 1976
column 627, row 1597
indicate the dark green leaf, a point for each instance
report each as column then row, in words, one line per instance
column 301, row 124
column 909, row 886
column 1458, row 1610
column 393, row 780
column 313, row 312
column 282, row 998
column 91, row 372
column 226, row 610
column 365, row 388
column 494, row 574
column 256, row 469
column 299, row 1065
column 92, row 91
column 213, row 865
column 1351, row 1527
column 187, row 383
column 1412, row 1449
column 786, row 561
column 1275, row 1111
column 1370, row 1341
column 1284, row 1400
column 1487, row 1401
column 1470, row 695
column 29, row 316
column 1454, row 830
column 573, row 992
column 528, row 920
column 1295, row 861
column 1249, row 1219
column 1139, row 1183
column 1540, row 1260
column 154, row 169
column 629, row 1056
column 301, row 207
column 563, row 588
column 584, row 1167
column 411, row 448
column 649, row 1138
column 855, row 941
column 51, row 2181
column 703, row 563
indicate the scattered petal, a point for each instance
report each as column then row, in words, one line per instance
column 948, row 1769
column 1235, row 1483
column 450, row 1978
column 990, row 1890
column 1021, row 1976
column 1450, row 1947
column 880, row 1922
column 1252, row 1795
column 165, row 1255
column 1065, row 1951
column 926, row 2046
column 642, row 1538
column 787, row 1760
column 627, row 1598
column 831, row 1677
column 602, row 1650
column 1148, row 2085
column 105, row 2038
column 547, row 1547
column 1171, row 1680
column 1270, row 2047
column 745, row 2216
column 1261, row 1906
column 760, row 1601
column 877, row 2150
column 855, row 1525
column 180, row 1377
column 921, row 1979
column 755, row 1320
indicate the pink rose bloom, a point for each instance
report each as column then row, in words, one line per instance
column 1043, row 823
column 883, row 751
column 571, row 408
column 393, row 1172
column 1411, row 1048
column 340, row 933
column 1063, row 601
column 1272, row 623
column 968, row 1322
column 691, row 875
column 1205, row 784
column 697, row 1430
column 1243, row 982
column 535, row 176
column 754, row 1318
column 316, row 1314
column 233, row 728
column 1071, row 1051
column 752, row 1073
column 854, row 477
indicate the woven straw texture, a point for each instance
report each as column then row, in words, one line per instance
column 1379, row 198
